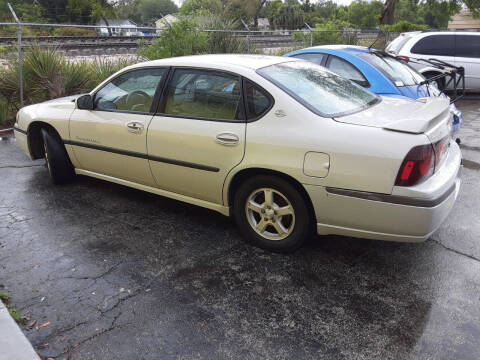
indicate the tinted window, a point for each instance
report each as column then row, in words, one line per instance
column 318, row 89
column 435, row 45
column 347, row 70
column 258, row 101
column 315, row 58
column 204, row 94
column 132, row 91
column 467, row 46
column 396, row 70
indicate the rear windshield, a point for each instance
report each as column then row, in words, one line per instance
column 318, row 89
column 400, row 73
column 396, row 45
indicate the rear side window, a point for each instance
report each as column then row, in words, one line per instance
column 258, row 101
column 440, row 45
column 467, row 46
column 346, row 70
column 315, row 58
column 396, row 45
column 204, row 94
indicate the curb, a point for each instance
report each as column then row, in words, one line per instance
column 13, row 343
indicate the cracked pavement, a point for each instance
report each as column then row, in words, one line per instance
column 122, row 274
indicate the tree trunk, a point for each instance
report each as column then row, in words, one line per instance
column 388, row 12
column 108, row 29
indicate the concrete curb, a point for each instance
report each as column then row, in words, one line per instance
column 13, row 343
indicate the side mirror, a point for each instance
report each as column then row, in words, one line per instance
column 85, row 102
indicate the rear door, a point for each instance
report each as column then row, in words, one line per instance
column 467, row 54
column 198, row 134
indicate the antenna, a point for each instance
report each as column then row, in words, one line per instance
column 380, row 34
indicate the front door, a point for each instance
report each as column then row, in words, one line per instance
column 111, row 139
column 198, row 136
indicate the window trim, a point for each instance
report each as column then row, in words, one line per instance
column 245, row 100
column 322, row 63
column 329, row 60
column 163, row 101
column 155, row 97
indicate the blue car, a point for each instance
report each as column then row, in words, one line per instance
column 374, row 70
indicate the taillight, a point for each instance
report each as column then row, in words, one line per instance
column 421, row 162
column 403, row 58
column 418, row 165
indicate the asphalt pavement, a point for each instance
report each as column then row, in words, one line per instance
column 109, row 272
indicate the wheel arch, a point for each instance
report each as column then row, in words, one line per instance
column 239, row 177
column 35, row 139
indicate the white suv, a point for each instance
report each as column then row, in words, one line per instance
column 459, row 48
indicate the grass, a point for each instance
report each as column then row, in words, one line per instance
column 12, row 310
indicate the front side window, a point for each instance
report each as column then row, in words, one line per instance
column 467, row 46
column 204, row 94
column 315, row 58
column 400, row 73
column 131, row 91
column 258, row 101
column 318, row 89
column 347, row 70
column 440, row 45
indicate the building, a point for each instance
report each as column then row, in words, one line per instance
column 263, row 24
column 165, row 22
column 464, row 21
column 121, row 27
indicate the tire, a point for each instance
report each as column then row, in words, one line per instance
column 58, row 163
column 278, row 233
column 440, row 82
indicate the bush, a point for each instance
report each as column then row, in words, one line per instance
column 331, row 32
column 180, row 39
column 74, row 32
column 403, row 26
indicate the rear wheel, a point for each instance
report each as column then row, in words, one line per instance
column 59, row 166
column 272, row 214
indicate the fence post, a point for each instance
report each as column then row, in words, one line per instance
column 20, row 64
column 248, row 34
column 311, row 34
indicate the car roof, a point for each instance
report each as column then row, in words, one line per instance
column 252, row 62
column 353, row 49
column 441, row 32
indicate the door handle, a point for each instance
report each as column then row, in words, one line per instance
column 228, row 139
column 134, row 127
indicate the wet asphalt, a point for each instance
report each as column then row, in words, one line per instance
column 122, row 274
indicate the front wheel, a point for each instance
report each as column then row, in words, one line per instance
column 59, row 166
column 272, row 214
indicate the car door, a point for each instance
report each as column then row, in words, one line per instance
column 198, row 135
column 467, row 54
column 111, row 138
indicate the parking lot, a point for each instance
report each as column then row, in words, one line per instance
column 116, row 273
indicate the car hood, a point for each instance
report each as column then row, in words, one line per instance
column 405, row 115
column 67, row 101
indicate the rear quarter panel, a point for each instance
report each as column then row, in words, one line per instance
column 361, row 157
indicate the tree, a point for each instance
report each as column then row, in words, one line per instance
column 289, row 17
column 258, row 8
column 202, row 7
column 103, row 10
column 151, row 10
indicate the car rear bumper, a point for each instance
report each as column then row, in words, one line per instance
column 411, row 216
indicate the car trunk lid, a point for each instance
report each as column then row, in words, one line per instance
column 428, row 115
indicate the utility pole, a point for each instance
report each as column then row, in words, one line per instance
column 20, row 64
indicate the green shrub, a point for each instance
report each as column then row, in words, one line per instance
column 331, row 32
column 180, row 39
column 403, row 26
